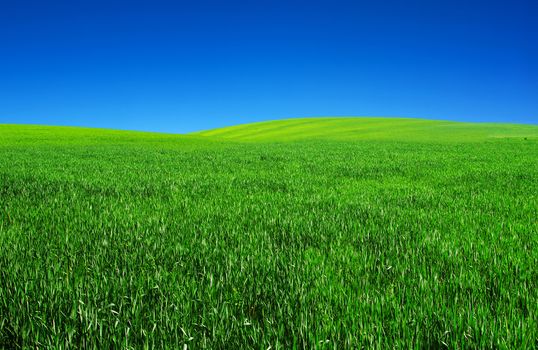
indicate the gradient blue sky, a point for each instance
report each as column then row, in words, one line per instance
column 180, row 66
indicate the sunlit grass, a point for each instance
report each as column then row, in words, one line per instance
column 405, row 236
column 364, row 128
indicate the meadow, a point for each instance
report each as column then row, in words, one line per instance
column 325, row 233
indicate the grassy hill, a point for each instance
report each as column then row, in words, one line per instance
column 377, row 233
column 349, row 129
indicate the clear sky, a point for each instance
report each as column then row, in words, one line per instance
column 180, row 66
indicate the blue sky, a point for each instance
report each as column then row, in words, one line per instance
column 179, row 66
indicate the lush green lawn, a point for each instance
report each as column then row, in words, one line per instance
column 329, row 233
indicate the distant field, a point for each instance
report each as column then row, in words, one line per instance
column 353, row 129
column 325, row 233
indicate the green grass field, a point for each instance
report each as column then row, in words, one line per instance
column 325, row 233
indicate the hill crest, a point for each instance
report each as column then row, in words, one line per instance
column 369, row 128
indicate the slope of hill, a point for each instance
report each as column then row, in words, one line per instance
column 358, row 128
column 367, row 233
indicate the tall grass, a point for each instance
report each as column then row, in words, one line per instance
column 133, row 240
